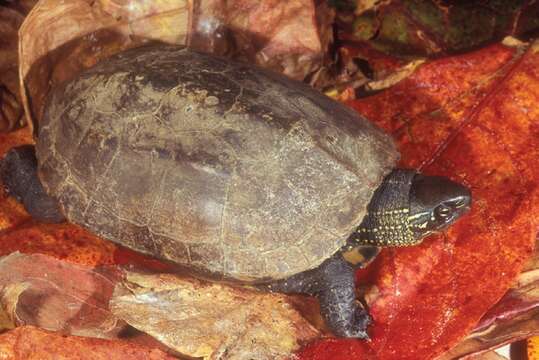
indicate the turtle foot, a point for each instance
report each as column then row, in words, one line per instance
column 356, row 327
column 18, row 173
column 343, row 313
column 333, row 284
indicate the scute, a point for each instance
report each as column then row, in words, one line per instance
column 219, row 166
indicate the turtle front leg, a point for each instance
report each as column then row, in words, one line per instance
column 18, row 173
column 334, row 285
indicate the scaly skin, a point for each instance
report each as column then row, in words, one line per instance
column 333, row 284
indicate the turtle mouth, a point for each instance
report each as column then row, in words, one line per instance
column 462, row 211
column 462, row 206
column 426, row 224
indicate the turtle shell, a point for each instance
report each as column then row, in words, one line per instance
column 220, row 166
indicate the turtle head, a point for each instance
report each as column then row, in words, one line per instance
column 408, row 206
column 435, row 203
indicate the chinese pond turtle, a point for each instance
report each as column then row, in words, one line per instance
column 229, row 170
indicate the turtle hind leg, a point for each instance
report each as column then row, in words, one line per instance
column 18, row 173
column 333, row 284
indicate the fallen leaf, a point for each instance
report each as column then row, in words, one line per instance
column 211, row 320
column 42, row 291
column 473, row 118
column 31, row 343
column 364, row 70
column 515, row 317
column 59, row 295
column 11, row 110
column 265, row 32
column 362, row 6
column 411, row 27
column 490, row 355
column 395, row 76
column 82, row 32
column 64, row 241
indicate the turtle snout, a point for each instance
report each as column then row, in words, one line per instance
column 459, row 206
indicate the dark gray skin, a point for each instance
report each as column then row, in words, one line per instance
column 18, row 173
column 406, row 208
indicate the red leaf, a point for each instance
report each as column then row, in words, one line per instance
column 473, row 118
column 30, row 343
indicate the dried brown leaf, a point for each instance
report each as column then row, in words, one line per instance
column 11, row 111
column 55, row 295
column 490, row 355
column 211, row 320
column 281, row 35
column 362, row 6
column 286, row 36
column 394, row 77
column 82, row 32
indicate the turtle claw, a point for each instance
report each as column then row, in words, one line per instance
column 334, row 286
column 361, row 322
column 353, row 326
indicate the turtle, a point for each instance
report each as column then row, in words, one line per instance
column 233, row 172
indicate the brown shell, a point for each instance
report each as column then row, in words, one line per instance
column 212, row 164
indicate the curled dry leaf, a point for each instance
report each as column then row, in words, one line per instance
column 394, row 77
column 287, row 36
column 11, row 111
column 364, row 70
column 42, row 291
column 82, row 32
column 213, row 321
column 362, row 6
column 490, row 355
column 31, row 343
column 475, row 119
column 281, row 35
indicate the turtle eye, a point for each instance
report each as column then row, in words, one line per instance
column 443, row 211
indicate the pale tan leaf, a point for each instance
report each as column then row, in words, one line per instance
column 82, row 32
column 210, row 320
